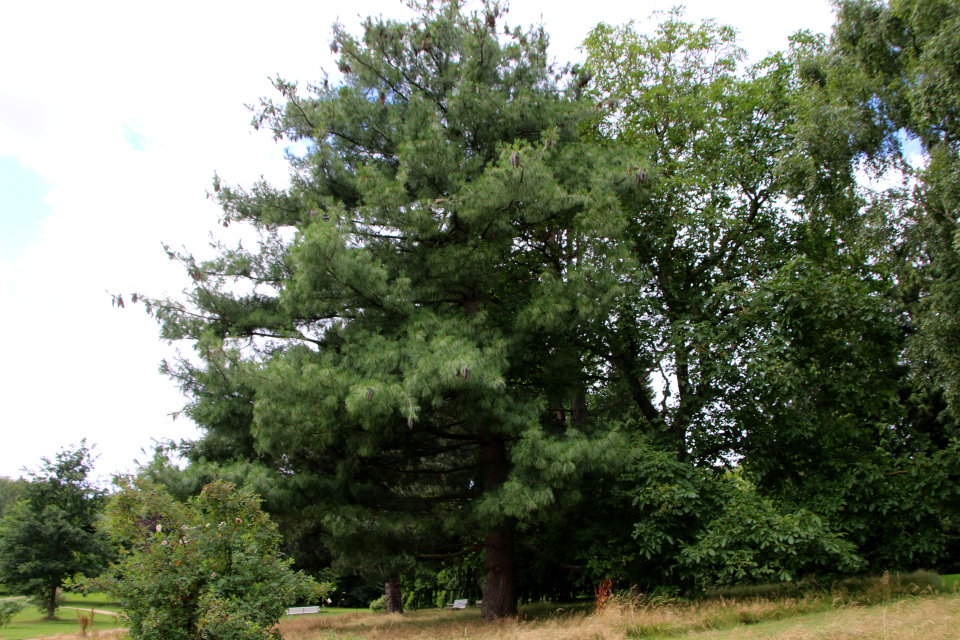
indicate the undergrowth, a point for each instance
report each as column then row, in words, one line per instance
column 862, row 590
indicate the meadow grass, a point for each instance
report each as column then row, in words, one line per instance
column 926, row 616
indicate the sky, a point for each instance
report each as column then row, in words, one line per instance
column 114, row 117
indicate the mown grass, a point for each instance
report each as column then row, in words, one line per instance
column 925, row 618
column 29, row 623
column 100, row 601
column 951, row 582
column 329, row 611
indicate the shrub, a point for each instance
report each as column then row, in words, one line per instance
column 207, row 569
column 380, row 604
column 863, row 589
column 10, row 608
column 874, row 589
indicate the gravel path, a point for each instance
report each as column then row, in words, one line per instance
column 108, row 613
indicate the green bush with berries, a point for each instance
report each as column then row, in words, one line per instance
column 206, row 569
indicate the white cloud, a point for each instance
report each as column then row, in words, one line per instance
column 127, row 109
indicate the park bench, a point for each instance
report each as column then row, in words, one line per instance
column 457, row 604
column 296, row 611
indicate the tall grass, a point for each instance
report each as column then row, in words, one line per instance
column 902, row 602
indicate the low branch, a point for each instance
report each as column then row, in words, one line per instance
column 445, row 556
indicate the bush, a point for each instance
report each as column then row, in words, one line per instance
column 208, row 569
column 874, row 589
column 864, row 590
column 766, row 591
column 380, row 604
column 10, row 608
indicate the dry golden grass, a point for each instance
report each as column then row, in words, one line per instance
column 671, row 619
column 921, row 618
column 444, row 625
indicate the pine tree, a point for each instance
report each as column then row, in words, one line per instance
column 409, row 327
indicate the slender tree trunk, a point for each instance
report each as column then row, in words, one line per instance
column 393, row 595
column 500, row 595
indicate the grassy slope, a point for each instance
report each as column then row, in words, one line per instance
column 928, row 618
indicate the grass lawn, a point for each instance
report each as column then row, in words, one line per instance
column 951, row 583
column 328, row 611
column 925, row 618
column 100, row 601
column 28, row 623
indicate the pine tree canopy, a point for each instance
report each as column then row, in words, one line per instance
column 413, row 306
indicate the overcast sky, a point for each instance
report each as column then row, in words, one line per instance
column 113, row 118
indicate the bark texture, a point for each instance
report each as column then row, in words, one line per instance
column 52, row 605
column 393, row 595
column 500, row 595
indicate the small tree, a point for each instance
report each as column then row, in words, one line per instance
column 210, row 568
column 49, row 535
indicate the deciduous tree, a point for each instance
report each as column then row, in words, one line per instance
column 50, row 535
column 759, row 330
column 207, row 568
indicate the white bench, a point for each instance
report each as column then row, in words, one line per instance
column 296, row 611
column 457, row 604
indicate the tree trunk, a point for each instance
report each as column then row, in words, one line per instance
column 393, row 596
column 52, row 605
column 500, row 595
